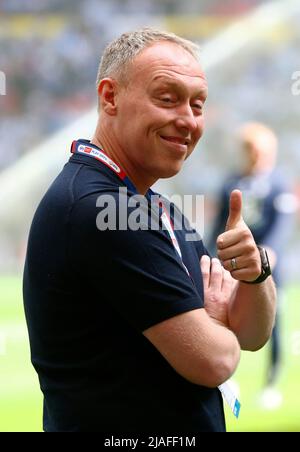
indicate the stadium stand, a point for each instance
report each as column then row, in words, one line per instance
column 49, row 54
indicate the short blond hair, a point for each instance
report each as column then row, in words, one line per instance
column 118, row 55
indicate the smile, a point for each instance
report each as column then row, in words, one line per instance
column 176, row 140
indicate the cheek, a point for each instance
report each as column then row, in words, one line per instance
column 200, row 129
column 156, row 116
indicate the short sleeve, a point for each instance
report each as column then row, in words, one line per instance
column 137, row 272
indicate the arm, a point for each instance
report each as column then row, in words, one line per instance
column 252, row 313
column 198, row 344
column 252, row 309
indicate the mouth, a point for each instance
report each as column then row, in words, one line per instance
column 176, row 140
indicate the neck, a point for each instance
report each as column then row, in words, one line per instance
column 141, row 181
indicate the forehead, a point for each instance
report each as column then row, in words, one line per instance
column 167, row 60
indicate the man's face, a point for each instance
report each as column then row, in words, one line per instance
column 159, row 113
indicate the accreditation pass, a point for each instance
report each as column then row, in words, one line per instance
column 229, row 393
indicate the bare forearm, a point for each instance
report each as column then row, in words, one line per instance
column 227, row 352
column 252, row 313
column 197, row 347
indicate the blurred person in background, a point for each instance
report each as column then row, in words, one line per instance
column 133, row 329
column 267, row 203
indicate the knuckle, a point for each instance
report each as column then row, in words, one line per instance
column 258, row 268
column 249, row 247
column 214, row 298
column 220, row 246
column 226, row 265
column 245, row 234
column 220, row 242
column 205, row 273
column 220, row 255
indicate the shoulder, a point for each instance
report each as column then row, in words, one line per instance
column 117, row 217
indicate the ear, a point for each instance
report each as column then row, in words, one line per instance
column 107, row 91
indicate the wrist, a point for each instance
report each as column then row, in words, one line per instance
column 265, row 267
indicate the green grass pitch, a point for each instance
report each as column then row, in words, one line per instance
column 21, row 400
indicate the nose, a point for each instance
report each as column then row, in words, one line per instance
column 186, row 119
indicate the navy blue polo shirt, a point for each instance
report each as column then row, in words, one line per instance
column 88, row 296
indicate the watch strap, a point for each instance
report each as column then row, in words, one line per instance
column 265, row 267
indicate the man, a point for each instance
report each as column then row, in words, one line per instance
column 128, row 333
column 268, row 205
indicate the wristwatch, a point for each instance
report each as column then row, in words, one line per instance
column 265, row 267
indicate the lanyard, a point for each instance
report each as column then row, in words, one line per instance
column 169, row 227
column 86, row 148
column 90, row 150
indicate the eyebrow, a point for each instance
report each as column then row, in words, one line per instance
column 177, row 83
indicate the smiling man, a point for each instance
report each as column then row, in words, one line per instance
column 153, row 121
column 132, row 327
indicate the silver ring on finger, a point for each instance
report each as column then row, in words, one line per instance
column 233, row 263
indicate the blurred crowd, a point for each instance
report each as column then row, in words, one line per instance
column 49, row 52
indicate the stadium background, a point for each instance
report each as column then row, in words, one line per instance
column 49, row 53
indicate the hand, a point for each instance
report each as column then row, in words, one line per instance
column 218, row 286
column 236, row 246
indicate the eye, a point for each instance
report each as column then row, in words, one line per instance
column 198, row 107
column 167, row 99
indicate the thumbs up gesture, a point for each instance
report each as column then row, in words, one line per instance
column 236, row 246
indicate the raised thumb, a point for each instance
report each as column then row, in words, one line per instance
column 235, row 210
